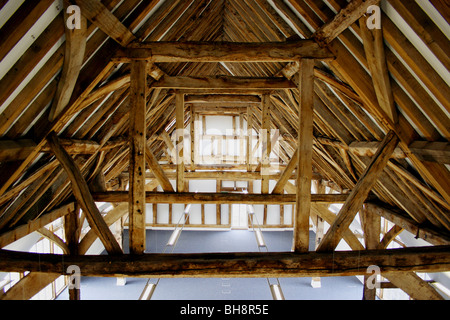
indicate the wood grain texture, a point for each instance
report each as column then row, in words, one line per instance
column 84, row 198
column 158, row 52
column 138, row 147
column 359, row 193
column 239, row 265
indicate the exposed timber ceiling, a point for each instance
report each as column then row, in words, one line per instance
column 380, row 99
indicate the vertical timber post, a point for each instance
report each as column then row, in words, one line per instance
column 304, row 168
column 137, row 136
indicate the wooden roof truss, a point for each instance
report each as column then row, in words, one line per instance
column 360, row 111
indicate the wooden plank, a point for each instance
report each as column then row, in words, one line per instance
column 75, row 47
column 32, row 93
column 359, row 193
column 221, row 99
column 420, row 95
column 30, row 59
column 20, row 23
column 425, row 28
column 443, row 7
column 211, row 198
column 416, row 61
column 344, row 19
column 99, row 15
column 304, row 166
column 246, row 264
column 138, row 149
column 84, row 198
column 222, row 82
column 159, row 52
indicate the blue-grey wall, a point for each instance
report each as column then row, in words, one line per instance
column 333, row 288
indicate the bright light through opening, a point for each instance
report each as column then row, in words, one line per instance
column 174, row 237
column 259, row 238
column 148, row 291
column 277, row 293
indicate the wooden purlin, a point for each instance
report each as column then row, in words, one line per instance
column 243, row 264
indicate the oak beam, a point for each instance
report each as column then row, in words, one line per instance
column 222, row 82
column 304, row 166
column 13, row 150
column 138, row 146
column 179, row 111
column 344, row 19
column 359, row 193
column 75, row 47
column 265, row 143
column 211, row 198
column 376, row 59
column 223, row 99
column 428, row 234
column 84, row 197
column 30, row 285
column 431, row 151
column 414, row 286
column 371, row 223
column 104, row 19
column 21, row 231
column 158, row 171
column 249, row 139
column 238, row 265
column 158, row 52
column 286, row 175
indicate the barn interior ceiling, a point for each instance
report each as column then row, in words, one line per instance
column 111, row 109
